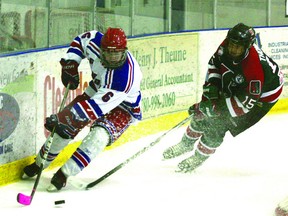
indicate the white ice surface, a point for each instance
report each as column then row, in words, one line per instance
column 247, row 175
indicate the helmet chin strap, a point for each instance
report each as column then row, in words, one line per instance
column 110, row 65
column 237, row 60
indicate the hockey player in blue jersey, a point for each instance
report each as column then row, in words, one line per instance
column 109, row 105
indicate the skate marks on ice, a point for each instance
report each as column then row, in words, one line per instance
column 246, row 176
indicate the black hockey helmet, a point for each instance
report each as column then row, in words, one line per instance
column 241, row 34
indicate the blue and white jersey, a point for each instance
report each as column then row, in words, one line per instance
column 108, row 88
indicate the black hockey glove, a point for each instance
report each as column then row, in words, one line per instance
column 211, row 92
column 207, row 107
column 65, row 123
column 70, row 73
column 203, row 110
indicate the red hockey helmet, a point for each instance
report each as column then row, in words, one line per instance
column 113, row 48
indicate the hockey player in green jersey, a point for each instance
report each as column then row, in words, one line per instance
column 241, row 86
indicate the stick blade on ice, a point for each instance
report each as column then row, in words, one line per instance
column 23, row 199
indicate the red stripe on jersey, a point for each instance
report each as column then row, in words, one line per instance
column 96, row 48
column 109, row 78
column 77, row 45
column 273, row 97
column 87, row 109
column 129, row 83
column 253, row 69
column 81, row 158
column 238, row 110
column 213, row 74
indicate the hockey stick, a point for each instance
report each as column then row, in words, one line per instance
column 92, row 184
column 25, row 199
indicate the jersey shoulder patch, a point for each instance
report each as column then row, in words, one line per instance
column 255, row 87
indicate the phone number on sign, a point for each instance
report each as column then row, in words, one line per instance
column 158, row 101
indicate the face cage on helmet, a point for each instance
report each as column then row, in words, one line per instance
column 245, row 44
column 113, row 59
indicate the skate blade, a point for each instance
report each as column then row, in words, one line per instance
column 51, row 188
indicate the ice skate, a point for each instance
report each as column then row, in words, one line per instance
column 191, row 163
column 57, row 182
column 185, row 145
column 30, row 171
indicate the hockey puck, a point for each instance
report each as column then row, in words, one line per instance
column 58, row 202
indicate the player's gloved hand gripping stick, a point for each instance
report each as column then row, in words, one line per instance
column 92, row 184
column 25, row 199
